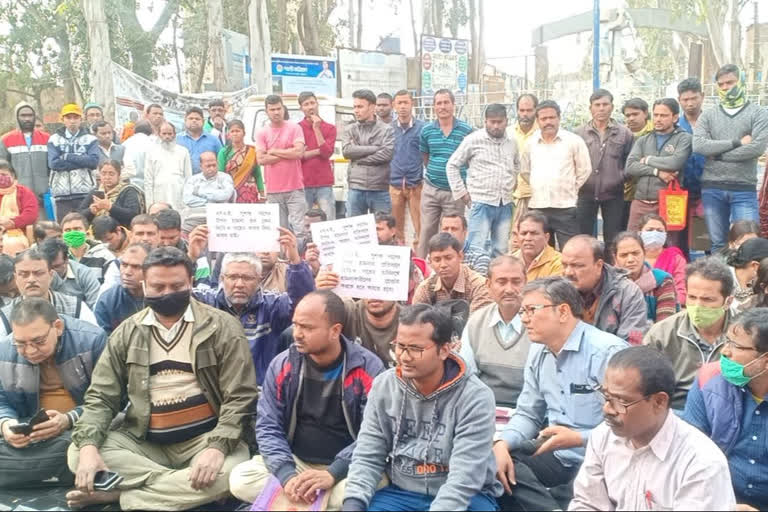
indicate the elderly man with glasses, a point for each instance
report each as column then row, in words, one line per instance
column 565, row 365
column 49, row 359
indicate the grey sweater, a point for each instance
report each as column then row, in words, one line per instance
column 731, row 165
column 672, row 157
column 438, row 445
column 369, row 146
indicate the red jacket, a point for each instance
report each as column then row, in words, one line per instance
column 318, row 171
column 28, row 208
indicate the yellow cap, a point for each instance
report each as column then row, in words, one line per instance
column 71, row 108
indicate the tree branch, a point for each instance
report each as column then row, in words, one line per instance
column 162, row 21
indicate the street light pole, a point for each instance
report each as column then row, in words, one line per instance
column 596, row 45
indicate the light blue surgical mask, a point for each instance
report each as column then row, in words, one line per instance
column 653, row 238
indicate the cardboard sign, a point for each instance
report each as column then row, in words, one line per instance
column 360, row 230
column 373, row 271
column 234, row 227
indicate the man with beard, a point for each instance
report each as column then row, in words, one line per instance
column 386, row 229
column 566, row 361
column 26, row 149
column 121, row 302
column 499, row 356
column 370, row 322
column 384, row 108
column 493, row 165
column 643, row 445
column 521, row 131
column 167, row 167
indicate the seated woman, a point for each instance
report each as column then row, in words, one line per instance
column 653, row 231
column 657, row 285
column 18, row 207
column 121, row 201
column 760, row 288
column 744, row 264
column 740, row 232
column 239, row 161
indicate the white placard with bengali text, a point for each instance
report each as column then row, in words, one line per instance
column 328, row 235
column 373, row 271
column 235, row 227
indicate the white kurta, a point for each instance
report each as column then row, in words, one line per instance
column 165, row 171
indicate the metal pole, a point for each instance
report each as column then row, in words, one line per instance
column 596, row 45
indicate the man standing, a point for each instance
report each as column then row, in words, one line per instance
column 566, row 361
column 557, row 164
column 155, row 115
column 691, row 98
column 108, row 150
column 216, row 124
column 384, row 108
column 407, row 167
column 499, row 356
column 136, row 149
column 540, row 258
column 732, row 136
column 609, row 144
column 642, row 445
column 182, row 433
column 427, row 427
column 279, row 148
column 194, row 139
column 656, row 160
column 49, row 358
column 73, row 154
column 493, row 166
column 120, row 302
column 310, row 409
column 635, row 112
column 368, row 144
column 524, row 127
column 437, row 143
column 166, row 168
column 319, row 139
column 26, row 149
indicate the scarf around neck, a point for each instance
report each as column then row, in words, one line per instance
column 736, row 96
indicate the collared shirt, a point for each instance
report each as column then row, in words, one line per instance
column 199, row 190
column 523, row 189
column 318, row 171
column 476, row 258
column 508, row 332
column 556, row 170
column 560, row 388
column 493, row 168
column 407, row 165
column 680, row 469
column 285, row 175
column 548, row 263
column 469, row 286
column 168, row 333
column 440, row 147
column 196, row 147
column 114, row 152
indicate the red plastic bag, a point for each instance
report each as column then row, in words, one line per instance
column 673, row 206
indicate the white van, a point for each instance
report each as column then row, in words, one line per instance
column 332, row 110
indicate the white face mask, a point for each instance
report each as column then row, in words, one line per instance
column 653, row 238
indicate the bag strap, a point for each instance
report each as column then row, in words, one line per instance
column 78, row 307
column 6, row 323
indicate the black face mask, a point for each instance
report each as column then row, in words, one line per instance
column 170, row 304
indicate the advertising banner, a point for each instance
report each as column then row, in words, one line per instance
column 444, row 65
column 378, row 71
column 292, row 74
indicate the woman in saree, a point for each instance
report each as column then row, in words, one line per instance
column 239, row 161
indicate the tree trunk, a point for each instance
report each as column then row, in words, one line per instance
column 281, row 7
column 260, row 46
column 480, row 37
column 102, row 90
column 142, row 43
column 351, row 16
column 216, row 45
column 359, row 24
column 415, row 34
column 437, row 13
column 176, row 52
column 306, row 28
column 473, row 73
column 65, row 60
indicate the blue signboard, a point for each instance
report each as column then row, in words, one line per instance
column 292, row 74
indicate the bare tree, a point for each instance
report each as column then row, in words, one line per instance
column 413, row 27
column 216, row 44
column 359, row 24
column 140, row 43
column 101, row 59
column 260, row 45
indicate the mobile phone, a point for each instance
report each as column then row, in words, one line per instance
column 26, row 428
column 529, row 446
column 99, row 194
column 106, row 480
column 40, row 417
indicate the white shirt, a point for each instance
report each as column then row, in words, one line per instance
column 165, row 171
column 136, row 148
column 680, row 469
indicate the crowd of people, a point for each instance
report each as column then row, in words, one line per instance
column 533, row 366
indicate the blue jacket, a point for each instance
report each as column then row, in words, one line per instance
column 276, row 411
column 72, row 161
column 78, row 349
column 407, row 165
column 267, row 315
column 694, row 166
column 114, row 306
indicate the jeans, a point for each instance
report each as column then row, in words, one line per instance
column 537, row 478
column 324, row 198
column 395, row 498
column 360, row 202
column 612, row 211
column 39, row 464
column 496, row 221
column 293, row 206
column 563, row 224
column 402, row 196
column 722, row 207
column 435, row 203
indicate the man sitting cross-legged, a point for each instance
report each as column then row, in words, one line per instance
column 186, row 369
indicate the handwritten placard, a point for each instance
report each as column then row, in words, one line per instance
column 360, row 230
column 373, row 271
column 236, row 227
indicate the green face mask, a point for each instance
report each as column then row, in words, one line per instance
column 733, row 372
column 704, row 316
column 74, row 239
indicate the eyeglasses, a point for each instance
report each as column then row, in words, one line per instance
column 242, row 277
column 530, row 310
column 616, row 404
column 729, row 341
column 37, row 343
column 414, row 352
